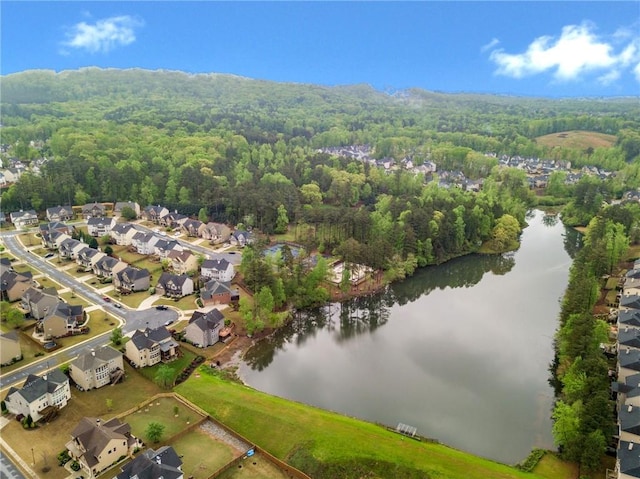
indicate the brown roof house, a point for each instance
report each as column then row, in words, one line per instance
column 13, row 285
column 204, row 329
column 10, row 351
column 218, row 292
column 96, row 368
column 38, row 394
column 150, row 346
column 96, row 445
column 132, row 279
column 174, row 286
column 163, row 463
column 183, row 261
column 62, row 320
column 216, row 233
column 93, row 210
column 154, row 213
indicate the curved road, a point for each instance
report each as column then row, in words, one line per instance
column 130, row 319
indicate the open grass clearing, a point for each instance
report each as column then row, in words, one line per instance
column 254, row 467
column 161, row 411
column 577, row 139
column 48, row 283
column 48, row 440
column 326, row 444
column 72, row 298
column 132, row 300
column 178, row 365
column 202, row 454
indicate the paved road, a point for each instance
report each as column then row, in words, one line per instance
column 131, row 319
column 8, row 470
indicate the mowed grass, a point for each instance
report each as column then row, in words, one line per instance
column 552, row 467
column 186, row 303
column 577, row 139
column 326, row 444
column 161, row 411
column 254, row 467
column 177, row 366
column 48, row 440
column 202, row 454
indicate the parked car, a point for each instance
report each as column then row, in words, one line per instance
column 162, row 307
column 169, row 322
column 49, row 255
column 107, row 299
column 117, row 305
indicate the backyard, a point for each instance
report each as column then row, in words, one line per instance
column 162, row 410
column 177, row 366
column 45, row 442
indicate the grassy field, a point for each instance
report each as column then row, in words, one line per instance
column 48, row 440
column 327, row 445
column 178, row 365
column 161, row 411
column 185, row 304
column 254, row 467
column 577, row 139
column 192, row 445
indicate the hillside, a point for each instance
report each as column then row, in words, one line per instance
column 577, row 139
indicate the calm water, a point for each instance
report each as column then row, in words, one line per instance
column 460, row 351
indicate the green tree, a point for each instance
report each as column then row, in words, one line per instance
column 108, row 250
column 203, row 215
column 154, row 431
column 282, row 220
column 116, row 336
column 128, row 213
column 164, row 376
column 15, row 318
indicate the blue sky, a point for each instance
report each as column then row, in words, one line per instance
column 539, row 48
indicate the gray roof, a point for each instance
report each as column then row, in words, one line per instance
column 630, row 301
column 629, row 317
column 214, row 287
column 90, row 360
column 99, row 221
column 11, row 335
column 147, row 338
column 629, row 337
column 163, row 463
column 35, row 386
column 218, row 264
column 131, row 274
column 206, row 321
column 629, row 458
column 629, row 417
column 177, row 280
column 629, row 359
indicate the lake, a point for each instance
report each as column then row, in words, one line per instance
column 460, row 351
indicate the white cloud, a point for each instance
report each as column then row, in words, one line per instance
column 103, row 35
column 576, row 52
column 493, row 43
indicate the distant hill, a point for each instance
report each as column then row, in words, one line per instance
column 577, row 139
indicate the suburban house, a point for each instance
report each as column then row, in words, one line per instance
column 204, row 329
column 100, row 226
column 56, row 226
column 174, row 286
column 132, row 279
column 628, row 363
column 62, row 320
column 163, row 463
column 154, row 213
column 216, row 233
column 69, row 248
column 52, row 239
column 10, row 350
column 628, row 391
column 218, row 269
column 108, row 266
column 117, row 208
column 629, row 423
column 13, row 285
column 628, row 317
column 183, row 261
column 217, row 292
column 151, row 346
column 628, row 337
column 38, row 302
column 23, row 219
column 40, row 395
column 190, row 227
column 96, row 445
column 163, row 247
column 93, row 210
column 240, row 238
column 88, row 257
column 123, row 233
column 59, row 213
column 628, row 460
column 173, row 220
column 97, row 368
column 144, row 242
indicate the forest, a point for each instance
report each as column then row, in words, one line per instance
column 248, row 152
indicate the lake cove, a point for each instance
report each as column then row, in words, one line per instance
column 459, row 351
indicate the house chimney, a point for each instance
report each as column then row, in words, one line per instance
column 98, row 422
column 630, row 408
column 93, row 353
column 630, row 446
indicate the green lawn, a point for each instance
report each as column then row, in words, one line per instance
column 161, row 411
column 48, row 283
column 184, row 304
column 72, row 298
column 327, row 445
column 197, row 464
column 178, row 365
column 254, row 467
column 132, row 300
